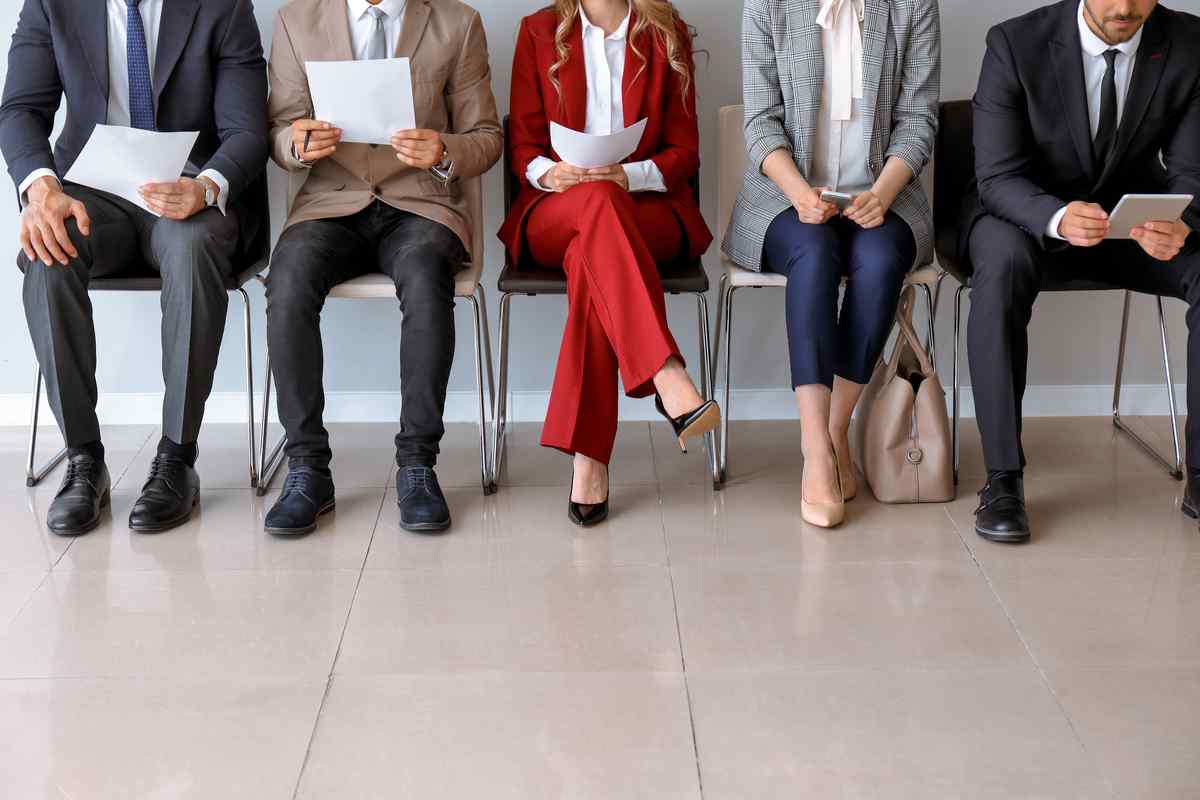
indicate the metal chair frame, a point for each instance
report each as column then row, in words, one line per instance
column 1174, row 469
column 35, row 474
column 272, row 460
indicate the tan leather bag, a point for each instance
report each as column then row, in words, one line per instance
column 902, row 435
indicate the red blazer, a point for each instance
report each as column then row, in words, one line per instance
column 671, row 139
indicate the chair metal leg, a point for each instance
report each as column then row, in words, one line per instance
column 725, row 315
column 706, row 381
column 271, row 459
column 500, row 414
column 487, row 346
column 33, row 473
column 1175, row 470
column 250, row 389
column 956, row 379
column 485, row 472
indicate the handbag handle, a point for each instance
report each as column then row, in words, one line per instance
column 904, row 313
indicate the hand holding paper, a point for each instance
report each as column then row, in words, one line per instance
column 122, row 160
column 589, row 151
column 368, row 100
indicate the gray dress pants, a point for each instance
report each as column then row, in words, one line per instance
column 193, row 256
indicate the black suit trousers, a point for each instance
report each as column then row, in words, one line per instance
column 421, row 257
column 1010, row 267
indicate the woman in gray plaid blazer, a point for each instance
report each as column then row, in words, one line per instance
column 841, row 96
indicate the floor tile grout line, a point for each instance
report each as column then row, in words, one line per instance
column 312, row 736
column 687, row 691
column 1045, row 679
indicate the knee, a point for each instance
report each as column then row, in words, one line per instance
column 293, row 287
column 811, row 258
column 1004, row 258
column 601, row 194
column 426, row 286
column 188, row 246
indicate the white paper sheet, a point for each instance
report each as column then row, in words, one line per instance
column 368, row 100
column 589, row 152
column 118, row 160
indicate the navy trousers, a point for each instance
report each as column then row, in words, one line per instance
column 815, row 259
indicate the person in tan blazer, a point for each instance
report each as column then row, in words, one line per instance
column 370, row 208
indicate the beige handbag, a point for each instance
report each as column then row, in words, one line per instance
column 902, row 435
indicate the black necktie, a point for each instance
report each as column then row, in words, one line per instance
column 1106, row 134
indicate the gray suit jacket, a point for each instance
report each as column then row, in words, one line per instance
column 783, row 68
column 209, row 76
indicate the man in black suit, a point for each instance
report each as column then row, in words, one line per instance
column 166, row 65
column 1078, row 104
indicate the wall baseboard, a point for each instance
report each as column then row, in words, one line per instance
column 750, row 404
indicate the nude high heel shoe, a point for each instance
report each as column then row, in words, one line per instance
column 824, row 515
column 849, row 479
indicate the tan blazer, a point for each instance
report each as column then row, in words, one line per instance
column 452, row 93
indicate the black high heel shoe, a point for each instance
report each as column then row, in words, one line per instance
column 696, row 422
column 595, row 515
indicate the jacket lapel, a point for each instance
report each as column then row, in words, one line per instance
column 876, row 14
column 173, row 33
column 637, row 73
column 92, row 27
column 573, row 79
column 336, row 26
column 1067, row 50
column 416, row 15
column 1148, row 68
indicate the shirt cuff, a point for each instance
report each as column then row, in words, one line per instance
column 536, row 170
column 34, row 176
column 644, row 176
column 222, row 184
column 299, row 161
column 1055, row 221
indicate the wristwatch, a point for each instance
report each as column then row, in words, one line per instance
column 210, row 194
column 444, row 169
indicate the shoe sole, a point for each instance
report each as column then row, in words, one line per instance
column 705, row 423
column 424, row 527
column 91, row 526
column 1189, row 510
column 171, row 525
column 325, row 509
column 1003, row 537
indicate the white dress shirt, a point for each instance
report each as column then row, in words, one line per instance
column 362, row 27
column 840, row 154
column 1094, row 67
column 604, row 63
column 118, row 81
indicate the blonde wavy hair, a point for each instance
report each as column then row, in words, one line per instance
column 658, row 16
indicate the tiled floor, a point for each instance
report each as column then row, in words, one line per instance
column 699, row 645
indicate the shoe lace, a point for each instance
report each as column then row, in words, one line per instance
column 79, row 470
column 160, row 472
column 420, row 478
column 297, row 482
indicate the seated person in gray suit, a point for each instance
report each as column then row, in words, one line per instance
column 167, row 65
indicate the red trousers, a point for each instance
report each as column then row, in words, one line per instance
column 609, row 242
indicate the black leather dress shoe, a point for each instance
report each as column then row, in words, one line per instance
column 423, row 507
column 307, row 494
column 84, row 492
column 1001, row 514
column 1191, row 497
column 170, row 494
column 595, row 514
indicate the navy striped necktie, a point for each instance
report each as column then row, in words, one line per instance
column 141, row 87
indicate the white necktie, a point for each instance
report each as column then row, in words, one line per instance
column 843, row 66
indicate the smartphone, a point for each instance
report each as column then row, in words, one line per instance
column 839, row 199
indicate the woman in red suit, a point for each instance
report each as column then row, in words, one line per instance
column 599, row 66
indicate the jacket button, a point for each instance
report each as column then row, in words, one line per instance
column 375, row 189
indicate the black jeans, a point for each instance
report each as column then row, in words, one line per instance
column 421, row 257
column 1009, row 267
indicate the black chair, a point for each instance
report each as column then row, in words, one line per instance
column 146, row 279
column 687, row 278
column 954, row 170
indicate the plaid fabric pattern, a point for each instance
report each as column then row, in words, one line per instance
column 783, row 71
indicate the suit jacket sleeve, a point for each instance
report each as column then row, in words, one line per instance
column 1182, row 159
column 475, row 141
column 289, row 99
column 528, row 130
column 1005, row 148
column 679, row 157
column 240, row 101
column 915, row 118
column 763, row 96
column 32, row 93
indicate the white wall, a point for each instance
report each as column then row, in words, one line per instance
column 1074, row 337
